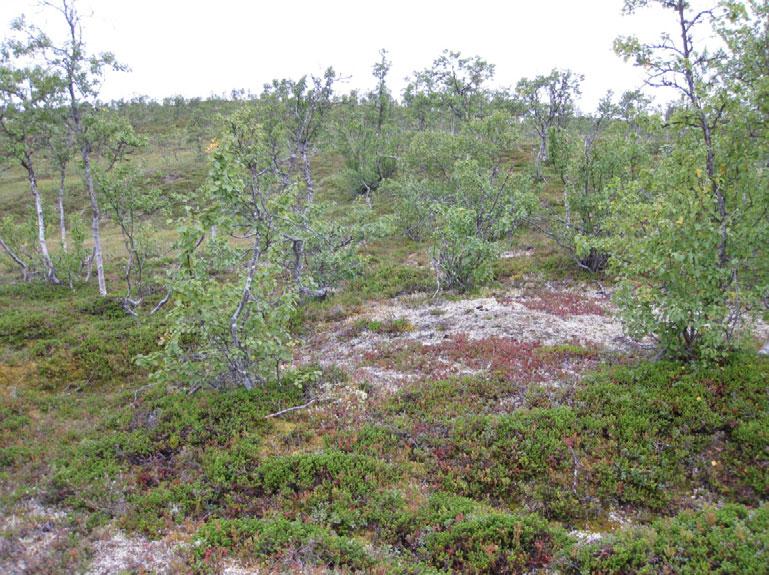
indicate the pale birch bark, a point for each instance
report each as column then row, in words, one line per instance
column 50, row 270
column 60, row 202
column 95, row 220
column 73, row 58
column 241, row 363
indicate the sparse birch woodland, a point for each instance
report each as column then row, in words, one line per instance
column 458, row 327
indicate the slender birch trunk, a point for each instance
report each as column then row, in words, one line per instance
column 60, row 201
column 41, row 240
column 541, row 155
column 241, row 363
column 95, row 220
column 74, row 62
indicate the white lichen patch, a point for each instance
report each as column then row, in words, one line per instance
column 120, row 553
column 510, row 315
column 482, row 318
column 29, row 535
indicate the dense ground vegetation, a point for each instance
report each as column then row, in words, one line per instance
column 320, row 332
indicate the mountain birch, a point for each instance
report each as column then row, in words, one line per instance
column 693, row 231
column 60, row 146
column 23, row 265
column 26, row 95
column 302, row 104
column 82, row 74
column 549, row 103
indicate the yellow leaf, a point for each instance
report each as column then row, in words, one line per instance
column 212, row 146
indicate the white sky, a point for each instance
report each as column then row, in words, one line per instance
column 203, row 47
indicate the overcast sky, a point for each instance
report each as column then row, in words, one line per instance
column 204, row 47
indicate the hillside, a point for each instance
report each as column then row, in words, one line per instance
column 462, row 331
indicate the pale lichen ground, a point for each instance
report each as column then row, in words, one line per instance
column 512, row 314
column 33, row 538
column 120, row 553
column 29, row 533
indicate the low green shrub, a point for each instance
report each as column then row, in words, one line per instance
column 397, row 326
column 21, row 326
column 12, row 419
column 84, row 476
column 521, row 457
column 388, row 280
column 208, row 417
column 733, row 539
column 494, row 543
column 10, row 456
column 644, row 435
column 166, row 505
column 268, row 538
column 293, row 473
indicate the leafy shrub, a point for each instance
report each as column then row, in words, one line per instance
column 415, row 216
column 591, row 166
column 461, row 259
column 676, row 283
column 198, row 347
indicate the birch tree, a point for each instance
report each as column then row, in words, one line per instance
column 297, row 109
column 549, row 103
column 461, row 192
column 366, row 137
column 692, row 233
column 83, row 74
column 27, row 94
column 454, row 83
column 233, row 330
column 610, row 150
column 129, row 200
column 60, row 151
column 13, row 241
